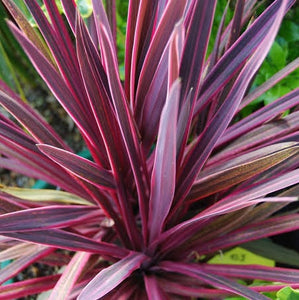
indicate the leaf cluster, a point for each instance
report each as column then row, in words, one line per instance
column 176, row 176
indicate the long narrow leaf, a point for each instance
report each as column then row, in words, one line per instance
column 235, row 57
column 196, row 46
column 45, row 195
column 255, row 231
column 172, row 14
column 260, row 116
column 70, row 241
column 127, row 126
column 79, row 166
column 24, row 288
column 69, row 276
column 42, row 218
column 29, row 118
column 112, row 276
column 27, row 28
column 164, row 170
column 21, row 263
column 186, row 230
column 206, row 142
column 152, row 288
column 255, row 272
column 208, row 185
column 270, row 82
column 214, row 280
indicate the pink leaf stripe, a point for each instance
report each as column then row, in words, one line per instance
column 21, row 263
column 70, row 276
column 56, row 216
column 206, row 142
column 70, row 241
column 79, row 166
column 127, row 125
column 164, row 170
column 196, row 45
column 195, row 271
column 255, row 272
column 172, row 14
column 28, row 287
column 177, row 173
column 112, row 276
column 235, row 57
column 255, row 231
column 188, row 228
column 153, row 289
column 260, row 116
column 29, row 118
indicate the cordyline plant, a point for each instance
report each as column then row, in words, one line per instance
column 176, row 175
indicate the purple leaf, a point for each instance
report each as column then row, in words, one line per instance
column 96, row 84
column 112, row 276
column 236, row 22
column 244, row 47
column 172, row 14
column 70, row 12
column 29, row 118
column 97, row 87
column 261, row 116
column 127, row 126
column 111, row 15
column 131, row 26
column 80, row 166
column 254, row 231
column 207, row 185
column 70, row 241
column 195, row 271
column 164, row 170
column 254, row 272
column 141, row 22
column 69, row 276
column 53, row 80
column 27, row 287
column 26, row 159
column 184, row 231
column 28, row 29
column 196, row 46
column 153, row 290
column 271, row 132
column 148, row 116
column 101, row 19
column 21, row 263
column 177, row 40
column 215, row 128
column 269, row 83
column 55, row 216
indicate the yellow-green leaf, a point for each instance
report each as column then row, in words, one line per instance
column 44, row 195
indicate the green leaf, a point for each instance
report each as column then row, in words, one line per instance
column 289, row 31
column 288, row 293
column 277, row 55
